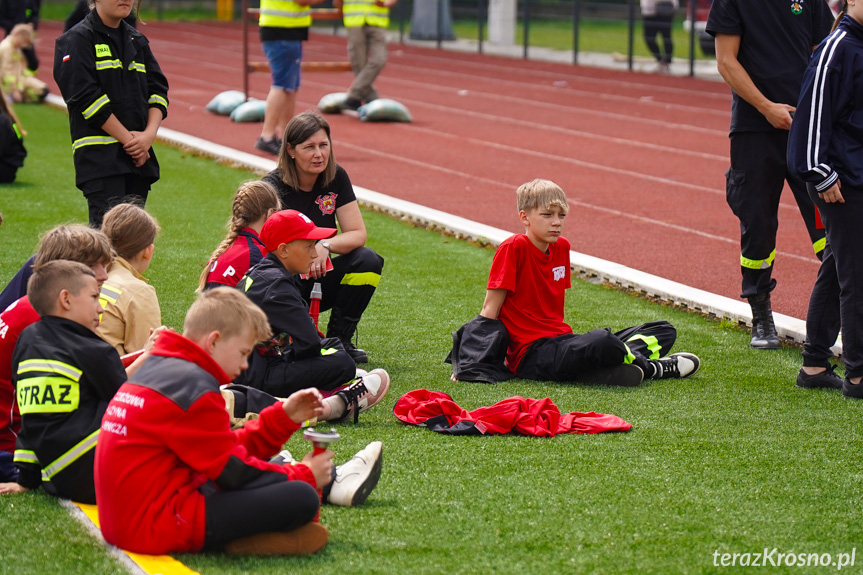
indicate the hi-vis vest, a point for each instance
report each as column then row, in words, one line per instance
column 284, row 14
column 357, row 13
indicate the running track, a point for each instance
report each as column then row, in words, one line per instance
column 640, row 156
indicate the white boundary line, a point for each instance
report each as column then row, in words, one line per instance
column 116, row 553
column 713, row 305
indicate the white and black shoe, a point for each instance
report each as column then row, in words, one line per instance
column 676, row 365
column 364, row 393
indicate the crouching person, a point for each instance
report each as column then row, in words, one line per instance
column 171, row 476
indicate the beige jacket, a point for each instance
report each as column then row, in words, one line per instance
column 130, row 308
column 14, row 76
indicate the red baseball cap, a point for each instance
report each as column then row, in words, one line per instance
column 288, row 225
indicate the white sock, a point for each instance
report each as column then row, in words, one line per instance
column 334, row 408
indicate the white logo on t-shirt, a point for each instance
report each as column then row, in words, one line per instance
column 559, row 272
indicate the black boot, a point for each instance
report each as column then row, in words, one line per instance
column 763, row 329
column 344, row 328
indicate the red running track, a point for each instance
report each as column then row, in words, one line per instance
column 640, row 156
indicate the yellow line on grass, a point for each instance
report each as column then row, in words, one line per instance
column 149, row 564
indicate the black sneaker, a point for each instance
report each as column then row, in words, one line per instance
column 351, row 104
column 623, row 375
column 676, row 365
column 357, row 354
column 272, row 146
column 824, row 380
column 852, row 390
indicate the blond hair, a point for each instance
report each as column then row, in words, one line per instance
column 49, row 279
column 130, row 229
column 74, row 242
column 299, row 129
column 23, row 30
column 251, row 203
column 540, row 194
column 228, row 311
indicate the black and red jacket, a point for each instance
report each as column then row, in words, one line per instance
column 164, row 435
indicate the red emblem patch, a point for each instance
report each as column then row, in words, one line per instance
column 327, row 203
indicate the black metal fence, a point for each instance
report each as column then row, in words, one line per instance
column 576, row 27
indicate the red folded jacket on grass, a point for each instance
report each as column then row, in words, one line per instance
column 538, row 417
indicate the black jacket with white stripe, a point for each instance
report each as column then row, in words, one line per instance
column 826, row 139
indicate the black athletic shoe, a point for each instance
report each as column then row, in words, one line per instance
column 851, row 390
column 357, row 354
column 824, row 380
column 676, row 365
column 351, row 104
column 272, row 146
column 623, row 375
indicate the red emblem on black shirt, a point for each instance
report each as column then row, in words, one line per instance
column 327, row 203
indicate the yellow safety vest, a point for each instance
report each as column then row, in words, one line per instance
column 284, row 14
column 357, row 13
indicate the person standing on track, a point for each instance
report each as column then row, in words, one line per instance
column 658, row 19
column 366, row 23
column 284, row 26
column 762, row 49
column 823, row 150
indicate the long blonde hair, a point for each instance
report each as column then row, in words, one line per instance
column 251, row 203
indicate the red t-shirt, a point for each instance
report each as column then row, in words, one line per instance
column 246, row 251
column 12, row 322
column 535, row 284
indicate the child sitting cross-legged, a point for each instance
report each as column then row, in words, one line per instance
column 299, row 357
column 171, row 475
column 64, row 377
column 529, row 276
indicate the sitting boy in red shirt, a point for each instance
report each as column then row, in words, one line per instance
column 526, row 286
column 171, row 476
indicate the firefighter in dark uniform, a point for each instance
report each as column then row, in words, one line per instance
column 117, row 98
column 64, row 377
column 762, row 49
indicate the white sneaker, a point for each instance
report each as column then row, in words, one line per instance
column 357, row 478
column 364, row 393
column 283, row 457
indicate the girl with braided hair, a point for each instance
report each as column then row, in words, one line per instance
column 254, row 202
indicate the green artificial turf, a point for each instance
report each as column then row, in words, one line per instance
column 735, row 459
column 594, row 35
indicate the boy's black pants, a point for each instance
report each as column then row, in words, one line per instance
column 281, row 377
column 564, row 357
column 279, row 506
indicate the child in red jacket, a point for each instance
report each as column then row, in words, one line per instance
column 171, row 476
